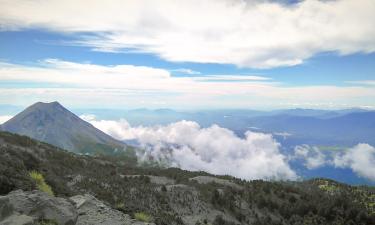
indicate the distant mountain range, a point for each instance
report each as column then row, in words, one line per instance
column 344, row 127
column 348, row 129
column 54, row 124
column 304, row 126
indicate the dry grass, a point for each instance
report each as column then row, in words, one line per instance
column 41, row 183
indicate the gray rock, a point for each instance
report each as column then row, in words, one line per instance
column 27, row 207
column 19, row 207
column 18, row 219
column 94, row 212
column 6, row 208
column 208, row 179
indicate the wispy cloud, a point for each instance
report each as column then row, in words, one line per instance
column 138, row 86
column 362, row 82
column 187, row 71
column 251, row 33
column 231, row 78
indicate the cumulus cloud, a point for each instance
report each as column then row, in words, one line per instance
column 252, row 33
column 214, row 149
column 218, row 150
column 361, row 159
column 313, row 158
column 4, row 118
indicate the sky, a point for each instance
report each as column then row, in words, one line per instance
column 253, row 54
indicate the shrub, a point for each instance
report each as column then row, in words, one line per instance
column 41, row 183
column 120, row 205
column 141, row 216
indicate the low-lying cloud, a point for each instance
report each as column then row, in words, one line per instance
column 360, row 159
column 312, row 156
column 218, row 150
column 214, row 149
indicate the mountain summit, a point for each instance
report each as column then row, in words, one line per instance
column 54, row 124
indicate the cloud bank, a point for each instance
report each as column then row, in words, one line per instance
column 252, row 33
column 214, row 149
column 218, row 150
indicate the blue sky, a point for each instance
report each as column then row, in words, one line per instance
column 309, row 54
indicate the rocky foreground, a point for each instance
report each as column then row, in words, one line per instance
column 36, row 207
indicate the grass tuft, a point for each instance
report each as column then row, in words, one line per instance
column 141, row 216
column 41, row 183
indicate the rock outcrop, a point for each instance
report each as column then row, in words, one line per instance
column 32, row 207
column 19, row 207
column 91, row 211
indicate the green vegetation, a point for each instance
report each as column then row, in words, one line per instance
column 88, row 146
column 327, row 186
column 120, row 206
column 41, row 183
column 141, row 216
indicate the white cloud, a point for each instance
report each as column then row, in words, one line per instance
column 360, row 158
column 117, row 76
column 88, row 117
column 218, row 150
column 214, row 149
column 312, row 156
column 251, row 33
column 231, row 78
column 138, row 86
column 363, row 82
column 187, row 71
column 4, row 118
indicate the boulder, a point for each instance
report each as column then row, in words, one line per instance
column 23, row 207
column 18, row 219
column 28, row 207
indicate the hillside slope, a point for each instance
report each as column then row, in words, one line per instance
column 173, row 196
